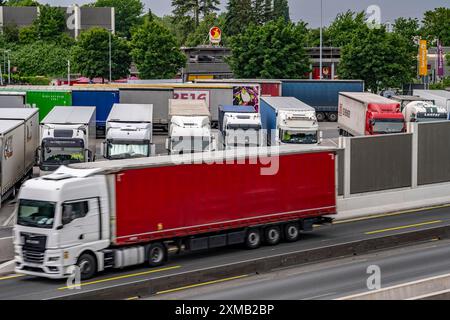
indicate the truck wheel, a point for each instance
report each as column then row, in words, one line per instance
column 320, row 116
column 273, row 235
column 253, row 239
column 291, row 232
column 88, row 266
column 332, row 117
column 157, row 254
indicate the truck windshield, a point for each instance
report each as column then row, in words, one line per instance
column 38, row 214
column 388, row 126
column 190, row 144
column 126, row 151
column 63, row 155
column 296, row 137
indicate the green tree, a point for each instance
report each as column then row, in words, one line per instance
column 281, row 10
column 11, row 33
column 238, row 17
column 127, row 14
column 201, row 34
column 50, row 23
column 274, row 50
column 381, row 59
column 21, row 3
column 91, row 54
column 30, row 60
column 194, row 9
column 156, row 52
column 344, row 27
column 436, row 25
column 408, row 29
column 259, row 11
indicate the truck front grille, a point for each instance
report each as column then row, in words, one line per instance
column 33, row 256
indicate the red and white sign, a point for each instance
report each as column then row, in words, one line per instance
column 215, row 35
column 192, row 95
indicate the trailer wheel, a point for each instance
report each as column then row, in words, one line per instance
column 320, row 116
column 88, row 266
column 157, row 254
column 332, row 116
column 273, row 235
column 253, row 239
column 291, row 232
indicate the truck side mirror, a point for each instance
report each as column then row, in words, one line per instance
column 167, row 144
column 320, row 136
column 103, row 149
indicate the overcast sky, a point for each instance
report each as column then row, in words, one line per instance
column 309, row 10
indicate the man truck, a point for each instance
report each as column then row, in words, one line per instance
column 114, row 214
column 240, row 126
column 365, row 113
column 288, row 120
column 19, row 140
column 129, row 132
column 67, row 136
column 190, row 127
column 419, row 111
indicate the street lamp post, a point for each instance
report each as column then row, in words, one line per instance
column 321, row 39
column 110, row 57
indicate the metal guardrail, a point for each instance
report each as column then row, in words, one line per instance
column 148, row 287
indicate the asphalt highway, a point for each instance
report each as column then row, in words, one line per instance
column 326, row 280
column 27, row 287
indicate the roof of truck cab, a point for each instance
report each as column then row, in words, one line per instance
column 114, row 166
column 70, row 115
column 197, row 108
column 122, row 112
column 368, row 97
column 238, row 109
column 17, row 113
column 8, row 125
column 287, row 103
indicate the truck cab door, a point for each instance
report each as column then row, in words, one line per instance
column 80, row 222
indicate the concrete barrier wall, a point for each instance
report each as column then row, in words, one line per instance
column 390, row 201
column 420, row 289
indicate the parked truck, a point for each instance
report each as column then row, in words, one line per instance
column 419, row 111
column 19, row 140
column 365, row 113
column 322, row 95
column 129, row 132
column 441, row 97
column 404, row 100
column 240, row 126
column 12, row 99
column 190, row 127
column 102, row 215
column 67, row 136
column 287, row 120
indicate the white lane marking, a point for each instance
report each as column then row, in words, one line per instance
column 6, row 238
column 319, row 296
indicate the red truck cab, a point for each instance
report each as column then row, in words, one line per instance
column 384, row 119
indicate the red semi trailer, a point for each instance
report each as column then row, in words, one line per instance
column 120, row 213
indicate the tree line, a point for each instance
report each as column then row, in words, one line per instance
column 265, row 43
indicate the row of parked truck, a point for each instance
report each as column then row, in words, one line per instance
column 364, row 113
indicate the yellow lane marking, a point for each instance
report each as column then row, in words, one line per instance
column 11, row 277
column 121, row 277
column 132, row 298
column 392, row 214
column 202, row 284
column 404, row 227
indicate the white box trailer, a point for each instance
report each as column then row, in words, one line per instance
column 30, row 117
column 14, row 167
column 12, row 99
column 441, row 97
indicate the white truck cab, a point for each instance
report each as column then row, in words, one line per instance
column 59, row 216
column 67, row 136
column 242, row 130
column 190, row 127
column 420, row 111
column 129, row 132
column 298, row 126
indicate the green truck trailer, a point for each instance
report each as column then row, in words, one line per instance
column 44, row 98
